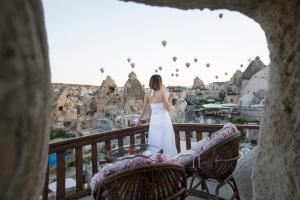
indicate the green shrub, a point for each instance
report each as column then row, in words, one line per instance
column 239, row 120
column 58, row 133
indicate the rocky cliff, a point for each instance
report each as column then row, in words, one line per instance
column 198, row 83
column 133, row 95
column 255, row 90
column 108, row 98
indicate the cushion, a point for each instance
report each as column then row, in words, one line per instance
column 130, row 162
column 125, row 163
column 228, row 130
column 164, row 158
column 201, row 145
column 185, row 157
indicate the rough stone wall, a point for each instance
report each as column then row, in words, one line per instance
column 198, row 83
column 133, row 95
column 277, row 168
column 24, row 99
column 255, row 66
column 108, row 97
column 276, row 172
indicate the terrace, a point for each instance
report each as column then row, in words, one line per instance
column 183, row 132
column 25, row 96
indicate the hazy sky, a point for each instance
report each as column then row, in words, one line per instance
column 85, row 35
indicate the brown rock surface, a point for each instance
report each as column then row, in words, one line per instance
column 24, row 99
column 236, row 78
column 133, row 95
column 108, row 98
column 254, row 66
column 198, row 83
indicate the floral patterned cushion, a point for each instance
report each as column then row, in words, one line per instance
column 228, row 130
column 130, row 162
column 202, row 145
column 185, row 157
column 125, row 163
column 164, row 158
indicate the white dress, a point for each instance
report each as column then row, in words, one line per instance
column 161, row 133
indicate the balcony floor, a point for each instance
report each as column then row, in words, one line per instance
column 225, row 192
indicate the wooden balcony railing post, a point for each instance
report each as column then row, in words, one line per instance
column 46, row 186
column 120, row 142
column 188, row 139
column 94, row 158
column 132, row 140
column 177, row 140
column 60, row 173
column 79, row 169
column 198, row 135
column 107, row 145
column 143, row 135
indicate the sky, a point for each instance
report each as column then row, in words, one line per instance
column 85, row 35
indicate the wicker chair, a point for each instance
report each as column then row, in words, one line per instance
column 217, row 163
column 151, row 182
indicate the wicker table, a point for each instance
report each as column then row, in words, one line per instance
column 139, row 149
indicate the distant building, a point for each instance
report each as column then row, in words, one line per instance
column 216, row 88
column 232, row 97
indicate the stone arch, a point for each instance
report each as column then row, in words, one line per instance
column 25, row 93
column 276, row 173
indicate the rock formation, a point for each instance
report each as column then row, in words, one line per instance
column 25, row 98
column 63, row 109
column 254, row 66
column 236, row 78
column 108, row 99
column 71, row 102
column 133, row 95
column 255, row 90
column 177, row 111
column 243, row 171
column 198, row 83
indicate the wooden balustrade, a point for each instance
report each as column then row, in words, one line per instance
column 60, row 148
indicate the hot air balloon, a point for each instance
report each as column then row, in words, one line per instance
column 172, row 74
column 220, row 15
column 174, row 59
column 187, row 64
column 241, row 65
column 128, row 60
column 132, row 65
column 177, row 70
column 226, row 73
column 177, row 75
column 102, row 70
column 217, row 77
column 207, row 65
column 164, row 43
column 156, row 71
column 160, row 68
column 195, row 60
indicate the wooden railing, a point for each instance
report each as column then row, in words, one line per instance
column 60, row 148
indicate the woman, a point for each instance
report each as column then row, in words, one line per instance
column 161, row 133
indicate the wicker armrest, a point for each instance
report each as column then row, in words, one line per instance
column 229, row 159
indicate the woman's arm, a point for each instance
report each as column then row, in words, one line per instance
column 145, row 108
column 166, row 101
